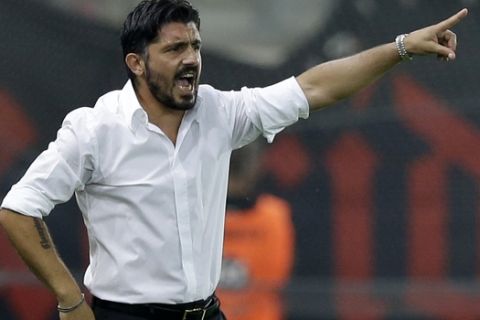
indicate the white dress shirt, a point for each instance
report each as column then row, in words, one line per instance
column 154, row 211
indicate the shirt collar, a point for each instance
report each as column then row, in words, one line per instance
column 136, row 116
column 130, row 107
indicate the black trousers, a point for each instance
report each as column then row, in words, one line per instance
column 105, row 313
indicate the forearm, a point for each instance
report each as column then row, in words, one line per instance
column 32, row 241
column 329, row 82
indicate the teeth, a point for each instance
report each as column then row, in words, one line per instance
column 185, row 80
column 185, row 84
column 188, row 75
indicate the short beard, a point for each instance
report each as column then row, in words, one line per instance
column 165, row 99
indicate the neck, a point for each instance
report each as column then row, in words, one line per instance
column 165, row 118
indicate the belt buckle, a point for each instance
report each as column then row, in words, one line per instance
column 189, row 311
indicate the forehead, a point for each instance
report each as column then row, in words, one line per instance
column 178, row 31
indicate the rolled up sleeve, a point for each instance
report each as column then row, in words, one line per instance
column 55, row 174
column 279, row 106
column 267, row 111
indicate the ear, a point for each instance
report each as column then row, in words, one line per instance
column 135, row 63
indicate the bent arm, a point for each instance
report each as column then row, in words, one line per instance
column 51, row 179
column 31, row 239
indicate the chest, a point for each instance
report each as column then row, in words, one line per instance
column 150, row 156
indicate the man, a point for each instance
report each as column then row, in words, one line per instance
column 149, row 166
column 259, row 244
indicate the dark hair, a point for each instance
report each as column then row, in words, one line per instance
column 142, row 24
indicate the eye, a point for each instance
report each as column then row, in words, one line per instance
column 197, row 46
column 176, row 48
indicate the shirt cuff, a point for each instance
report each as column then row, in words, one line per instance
column 304, row 108
column 282, row 105
column 27, row 201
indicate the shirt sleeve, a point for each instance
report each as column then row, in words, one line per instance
column 53, row 177
column 266, row 111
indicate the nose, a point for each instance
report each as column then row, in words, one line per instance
column 192, row 56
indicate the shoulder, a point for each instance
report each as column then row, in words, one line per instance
column 211, row 101
column 104, row 111
column 207, row 93
column 84, row 116
column 212, row 98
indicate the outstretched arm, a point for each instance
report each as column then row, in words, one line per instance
column 337, row 79
column 32, row 240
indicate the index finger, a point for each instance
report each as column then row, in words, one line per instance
column 453, row 20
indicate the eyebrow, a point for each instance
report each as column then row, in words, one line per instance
column 197, row 42
column 174, row 43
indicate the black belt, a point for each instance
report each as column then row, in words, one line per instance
column 200, row 310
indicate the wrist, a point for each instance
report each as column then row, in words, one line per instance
column 64, row 308
column 404, row 54
column 68, row 297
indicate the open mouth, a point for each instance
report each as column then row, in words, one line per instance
column 185, row 81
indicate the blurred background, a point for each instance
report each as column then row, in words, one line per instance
column 383, row 187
